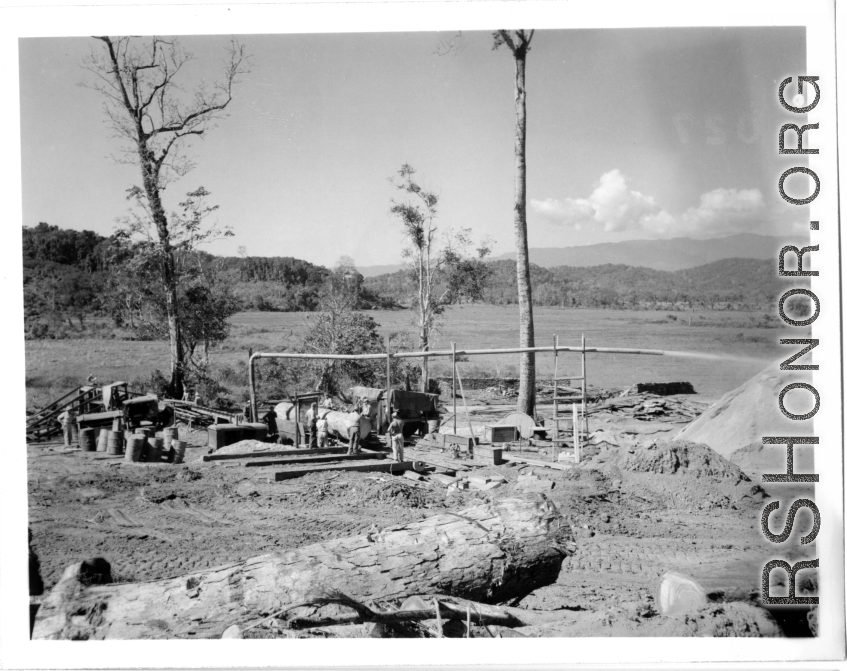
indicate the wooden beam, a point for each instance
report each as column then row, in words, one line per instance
column 385, row 466
column 508, row 456
column 275, row 453
column 322, row 459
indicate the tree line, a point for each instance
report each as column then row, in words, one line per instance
column 725, row 284
column 72, row 275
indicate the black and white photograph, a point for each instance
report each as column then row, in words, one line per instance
column 391, row 332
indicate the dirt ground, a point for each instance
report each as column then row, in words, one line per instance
column 637, row 510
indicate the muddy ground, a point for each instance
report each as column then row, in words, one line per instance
column 634, row 516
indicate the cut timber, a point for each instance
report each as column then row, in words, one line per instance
column 558, row 466
column 275, row 453
column 384, row 465
column 495, row 552
column 320, row 459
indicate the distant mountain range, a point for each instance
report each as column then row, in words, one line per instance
column 672, row 254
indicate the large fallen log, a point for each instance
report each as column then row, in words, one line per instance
column 337, row 422
column 494, row 552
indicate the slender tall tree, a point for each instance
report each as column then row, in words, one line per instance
column 150, row 111
column 518, row 44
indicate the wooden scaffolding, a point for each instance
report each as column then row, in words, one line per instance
column 572, row 412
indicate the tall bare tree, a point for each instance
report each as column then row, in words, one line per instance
column 417, row 214
column 149, row 110
column 518, row 44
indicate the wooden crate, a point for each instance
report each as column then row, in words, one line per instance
column 500, row 434
column 488, row 455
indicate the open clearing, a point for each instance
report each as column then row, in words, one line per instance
column 154, row 521
column 743, row 345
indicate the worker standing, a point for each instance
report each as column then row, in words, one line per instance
column 354, row 435
column 273, row 431
column 66, row 419
column 323, row 428
column 395, row 431
column 312, row 418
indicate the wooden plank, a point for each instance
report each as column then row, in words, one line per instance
column 312, row 460
column 275, row 453
column 535, row 462
column 384, row 466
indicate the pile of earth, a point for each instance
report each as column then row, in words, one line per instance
column 682, row 474
column 734, row 426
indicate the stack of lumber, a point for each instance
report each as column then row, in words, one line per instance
column 649, row 406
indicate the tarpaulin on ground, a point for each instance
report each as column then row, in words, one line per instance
column 414, row 400
column 367, row 393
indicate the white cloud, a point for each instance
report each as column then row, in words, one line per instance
column 614, row 207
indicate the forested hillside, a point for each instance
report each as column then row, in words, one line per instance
column 724, row 284
column 68, row 277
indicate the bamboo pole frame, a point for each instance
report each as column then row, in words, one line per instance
column 453, row 352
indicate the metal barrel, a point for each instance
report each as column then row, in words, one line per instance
column 432, row 425
column 115, row 442
column 134, row 447
column 154, row 447
column 87, row 442
column 178, row 447
column 103, row 440
column 169, row 434
column 117, row 424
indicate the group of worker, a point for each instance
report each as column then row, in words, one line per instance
column 319, row 430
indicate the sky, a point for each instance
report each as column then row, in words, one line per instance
column 632, row 134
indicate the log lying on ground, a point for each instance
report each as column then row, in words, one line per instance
column 337, row 422
column 494, row 552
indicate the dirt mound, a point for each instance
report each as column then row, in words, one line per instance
column 733, row 619
column 679, row 474
column 679, row 457
column 742, row 416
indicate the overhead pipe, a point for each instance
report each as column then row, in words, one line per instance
column 430, row 353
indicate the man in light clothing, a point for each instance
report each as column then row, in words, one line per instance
column 395, row 431
column 354, row 436
column 322, row 427
column 66, row 419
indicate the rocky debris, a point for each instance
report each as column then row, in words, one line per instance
column 532, row 483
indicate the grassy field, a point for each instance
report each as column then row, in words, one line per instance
column 734, row 346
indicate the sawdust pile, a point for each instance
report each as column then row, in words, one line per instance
column 249, row 446
column 734, row 426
